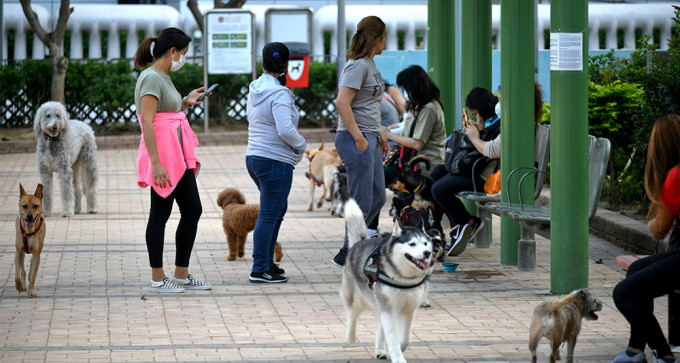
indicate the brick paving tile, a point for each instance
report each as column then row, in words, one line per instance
column 93, row 303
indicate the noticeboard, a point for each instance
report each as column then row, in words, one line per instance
column 229, row 41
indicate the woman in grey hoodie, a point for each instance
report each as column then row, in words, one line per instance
column 274, row 148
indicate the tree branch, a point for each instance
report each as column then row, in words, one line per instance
column 32, row 18
column 193, row 7
column 64, row 13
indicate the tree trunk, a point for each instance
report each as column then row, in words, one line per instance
column 59, row 67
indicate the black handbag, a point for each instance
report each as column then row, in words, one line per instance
column 400, row 155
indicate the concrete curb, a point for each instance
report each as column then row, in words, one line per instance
column 132, row 141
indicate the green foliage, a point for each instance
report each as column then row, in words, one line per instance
column 109, row 86
column 626, row 96
column 314, row 100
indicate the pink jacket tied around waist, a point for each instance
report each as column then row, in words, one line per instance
column 176, row 157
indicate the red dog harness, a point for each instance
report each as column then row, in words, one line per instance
column 26, row 235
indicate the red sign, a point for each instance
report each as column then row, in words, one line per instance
column 298, row 72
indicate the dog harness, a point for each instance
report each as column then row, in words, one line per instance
column 373, row 273
column 26, row 235
column 311, row 177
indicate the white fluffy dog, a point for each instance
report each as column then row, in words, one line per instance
column 68, row 148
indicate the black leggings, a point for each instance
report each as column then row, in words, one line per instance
column 647, row 279
column 444, row 192
column 186, row 195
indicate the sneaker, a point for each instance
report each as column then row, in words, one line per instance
column 190, row 283
column 477, row 226
column 339, row 259
column 623, row 357
column 266, row 277
column 661, row 360
column 459, row 242
column 277, row 270
column 165, row 286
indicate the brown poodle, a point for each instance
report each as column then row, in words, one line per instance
column 238, row 219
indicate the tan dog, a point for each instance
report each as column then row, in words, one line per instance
column 30, row 235
column 239, row 219
column 323, row 164
column 560, row 321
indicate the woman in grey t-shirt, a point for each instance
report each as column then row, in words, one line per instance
column 358, row 140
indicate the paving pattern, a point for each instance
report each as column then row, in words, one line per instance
column 93, row 303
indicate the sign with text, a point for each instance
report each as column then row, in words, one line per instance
column 229, row 41
column 566, row 51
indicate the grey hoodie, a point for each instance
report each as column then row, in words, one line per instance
column 272, row 122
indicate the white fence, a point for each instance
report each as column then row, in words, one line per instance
column 409, row 19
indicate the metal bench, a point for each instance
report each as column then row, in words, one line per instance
column 541, row 158
column 536, row 219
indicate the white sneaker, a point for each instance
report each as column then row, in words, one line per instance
column 165, row 286
column 190, row 283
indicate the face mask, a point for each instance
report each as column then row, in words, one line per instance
column 177, row 65
column 498, row 109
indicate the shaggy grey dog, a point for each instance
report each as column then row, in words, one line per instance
column 68, row 148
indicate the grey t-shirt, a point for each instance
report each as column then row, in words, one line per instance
column 362, row 75
column 153, row 82
column 388, row 111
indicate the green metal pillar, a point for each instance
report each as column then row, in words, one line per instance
column 476, row 55
column 441, row 54
column 568, row 145
column 517, row 113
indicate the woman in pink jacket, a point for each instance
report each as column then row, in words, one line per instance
column 166, row 159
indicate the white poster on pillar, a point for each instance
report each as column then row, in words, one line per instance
column 566, row 51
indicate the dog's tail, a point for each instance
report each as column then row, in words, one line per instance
column 354, row 222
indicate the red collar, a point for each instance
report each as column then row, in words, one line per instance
column 26, row 235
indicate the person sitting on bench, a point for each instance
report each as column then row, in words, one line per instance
column 656, row 275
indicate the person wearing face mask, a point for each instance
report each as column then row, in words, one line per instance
column 166, row 158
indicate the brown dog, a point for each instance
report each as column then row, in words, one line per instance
column 239, row 219
column 30, row 235
column 560, row 321
column 323, row 164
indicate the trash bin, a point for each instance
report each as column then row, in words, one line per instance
column 298, row 65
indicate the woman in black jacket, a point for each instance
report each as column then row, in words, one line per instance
column 481, row 103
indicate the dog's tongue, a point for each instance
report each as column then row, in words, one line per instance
column 424, row 264
column 29, row 224
column 594, row 316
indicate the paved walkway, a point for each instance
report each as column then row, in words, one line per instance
column 93, row 303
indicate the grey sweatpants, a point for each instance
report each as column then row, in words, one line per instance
column 365, row 177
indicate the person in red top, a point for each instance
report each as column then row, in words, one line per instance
column 656, row 275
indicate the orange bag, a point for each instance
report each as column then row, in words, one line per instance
column 493, row 183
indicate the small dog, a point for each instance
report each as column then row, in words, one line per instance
column 560, row 321
column 30, row 236
column 410, row 180
column 323, row 164
column 388, row 274
column 339, row 192
column 68, row 148
column 239, row 219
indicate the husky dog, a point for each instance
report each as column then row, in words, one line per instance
column 389, row 275
column 339, row 192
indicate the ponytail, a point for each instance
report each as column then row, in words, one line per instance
column 275, row 57
column 152, row 48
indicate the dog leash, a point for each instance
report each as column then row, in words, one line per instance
column 373, row 273
column 26, row 235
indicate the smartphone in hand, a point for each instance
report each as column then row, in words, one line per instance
column 206, row 92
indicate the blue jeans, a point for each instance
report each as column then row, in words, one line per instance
column 273, row 179
column 365, row 176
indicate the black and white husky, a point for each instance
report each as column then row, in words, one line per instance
column 389, row 275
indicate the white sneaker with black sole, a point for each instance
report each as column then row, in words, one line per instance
column 266, row 277
column 165, row 286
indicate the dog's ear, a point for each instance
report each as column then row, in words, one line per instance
column 39, row 191
column 396, row 229
column 321, row 147
column 583, row 294
column 22, row 192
